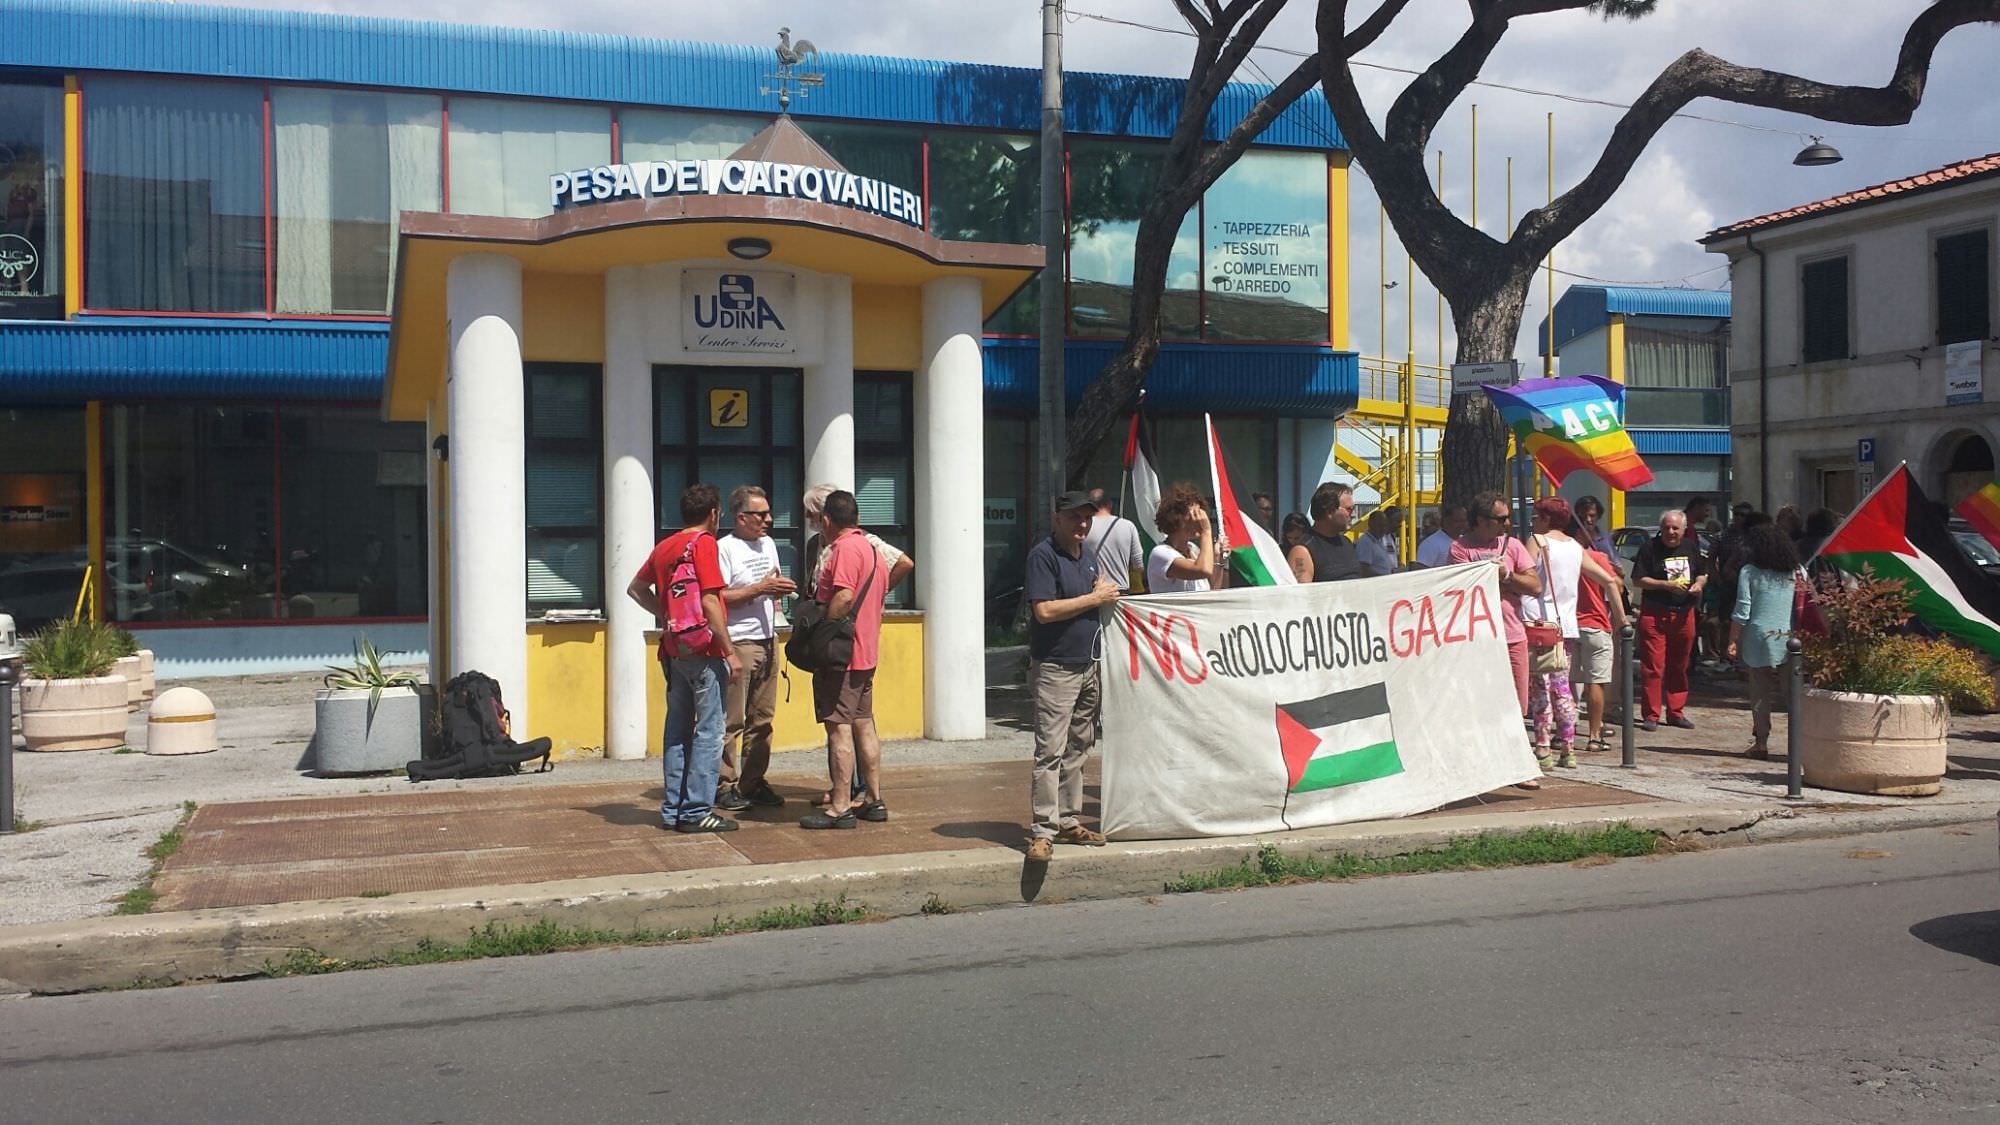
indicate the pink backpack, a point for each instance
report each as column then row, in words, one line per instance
column 688, row 633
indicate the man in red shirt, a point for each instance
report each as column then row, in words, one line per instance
column 698, row 661
column 853, row 583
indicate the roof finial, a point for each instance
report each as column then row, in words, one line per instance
column 790, row 55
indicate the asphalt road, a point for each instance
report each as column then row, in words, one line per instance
column 1854, row 980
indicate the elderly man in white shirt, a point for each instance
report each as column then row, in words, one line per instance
column 1377, row 549
column 1435, row 550
column 752, row 581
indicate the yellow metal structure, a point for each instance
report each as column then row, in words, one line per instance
column 1389, row 441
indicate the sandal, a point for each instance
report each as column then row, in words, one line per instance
column 1530, row 784
column 1544, row 759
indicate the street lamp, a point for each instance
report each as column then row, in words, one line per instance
column 1816, row 154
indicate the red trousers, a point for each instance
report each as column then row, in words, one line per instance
column 1666, row 644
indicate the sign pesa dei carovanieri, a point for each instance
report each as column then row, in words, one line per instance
column 648, row 179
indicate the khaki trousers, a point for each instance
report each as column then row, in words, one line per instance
column 750, row 701
column 1066, row 709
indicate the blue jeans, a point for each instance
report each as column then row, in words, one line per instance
column 692, row 746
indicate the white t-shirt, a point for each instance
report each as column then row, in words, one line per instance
column 1157, row 579
column 1436, row 550
column 1377, row 553
column 746, row 563
column 1563, row 568
column 1116, row 542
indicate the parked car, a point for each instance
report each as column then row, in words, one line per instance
column 1976, row 547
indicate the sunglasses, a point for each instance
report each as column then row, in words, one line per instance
column 1491, row 518
column 763, row 515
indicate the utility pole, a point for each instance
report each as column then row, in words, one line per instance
column 1053, row 443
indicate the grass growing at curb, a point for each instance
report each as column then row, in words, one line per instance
column 544, row 936
column 140, row 899
column 1493, row 849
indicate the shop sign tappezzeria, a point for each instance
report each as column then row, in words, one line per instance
column 649, row 179
column 738, row 312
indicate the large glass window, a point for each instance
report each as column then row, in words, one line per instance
column 890, row 153
column 351, row 513
column 192, row 517
column 882, row 445
column 564, row 497
column 1963, row 306
column 503, row 152
column 666, row 134
column 43, row 544
column 174, row 193
column 987, row 187
column 31, row 169
column 1266, row 248
column 261, row 511
column 345, row 165
column 1110, row 182
column 731, row 426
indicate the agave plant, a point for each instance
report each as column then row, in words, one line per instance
column 71, row 649
column 128, row 645
column 367, row 672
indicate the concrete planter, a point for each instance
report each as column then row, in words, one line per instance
column 347, row 739
column 1891, row 745
column 87, row 714
column 130, row 669
column 146, row 681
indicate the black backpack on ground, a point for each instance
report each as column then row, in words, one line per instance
column 475, row 742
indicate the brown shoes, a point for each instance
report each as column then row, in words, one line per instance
column 1078, row 834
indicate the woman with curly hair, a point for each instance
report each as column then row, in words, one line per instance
column 1765, row 589
column 1187, row 558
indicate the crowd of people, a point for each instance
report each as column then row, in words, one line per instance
column 1728, row 592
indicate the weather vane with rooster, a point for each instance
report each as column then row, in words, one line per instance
column 790, row 56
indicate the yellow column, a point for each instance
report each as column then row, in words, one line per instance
column 1615, row 506
column 1337, row 292
column 93, row 501
column 72, row 201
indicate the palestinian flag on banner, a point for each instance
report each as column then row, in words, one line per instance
column 1338, row 739
column 1145, row 480
column 1982, row 511
column 1254, row 557
column 1898, row 533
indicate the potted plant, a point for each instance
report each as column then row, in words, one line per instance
column 367, row 718
column 128, row 666
column 70, row 699
column 1878, row 702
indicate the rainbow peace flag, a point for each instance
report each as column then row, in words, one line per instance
column 1572, row 424
column 1982, row 511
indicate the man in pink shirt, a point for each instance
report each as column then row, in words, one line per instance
column 1486, row 540
column 854, row 582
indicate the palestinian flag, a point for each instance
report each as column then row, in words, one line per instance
column 1982, row 511
column 1898, row 533
column 1145, row 482
column 1254, row 557
column 1338, row 739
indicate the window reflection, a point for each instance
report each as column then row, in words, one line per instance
column 1109, row 184
column 1265, row 248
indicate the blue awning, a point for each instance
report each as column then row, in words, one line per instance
column 190, row 357
column 1295, row 381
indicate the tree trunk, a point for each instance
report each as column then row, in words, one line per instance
column 1473, row 457
column 1117, row 386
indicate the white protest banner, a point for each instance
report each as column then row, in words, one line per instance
column 1264, row 708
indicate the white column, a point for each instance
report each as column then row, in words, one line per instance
column 950, row 478
column 628, row 508
column 484, row 411
column 829, row 392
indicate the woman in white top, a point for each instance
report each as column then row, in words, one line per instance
column 1551, row 702
column 1187, row 559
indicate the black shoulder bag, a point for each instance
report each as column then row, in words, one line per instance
column 818, row 644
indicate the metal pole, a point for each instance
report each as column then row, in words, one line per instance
column 1549, row 360
column 1795, row 691
column 1627, row 650
column 1053, row 444
column 9, row 674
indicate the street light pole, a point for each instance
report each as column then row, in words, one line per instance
column 1053, row 444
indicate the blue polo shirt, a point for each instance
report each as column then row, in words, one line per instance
column 1054, row 576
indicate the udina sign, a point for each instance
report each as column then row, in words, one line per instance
column 736, row 311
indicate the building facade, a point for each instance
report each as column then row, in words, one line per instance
column 1670, row 348
column 224, row 393
column 1861, row 330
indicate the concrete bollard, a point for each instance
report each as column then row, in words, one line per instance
column 182, row 722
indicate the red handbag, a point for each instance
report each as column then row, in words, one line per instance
column 1806, row 617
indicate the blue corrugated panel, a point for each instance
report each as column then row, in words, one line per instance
column 1690, row 441
column 1285, row 380
column 306, row 47
column 146, row 357
column 1585, row 308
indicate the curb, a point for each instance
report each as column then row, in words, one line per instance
column 119, row 951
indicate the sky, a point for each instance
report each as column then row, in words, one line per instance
column 1697, row 175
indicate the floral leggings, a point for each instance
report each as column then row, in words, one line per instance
column 1551, row 702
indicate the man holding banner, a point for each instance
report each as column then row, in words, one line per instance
column 1065, row 589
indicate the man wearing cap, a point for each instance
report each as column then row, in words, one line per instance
column 1065, row 589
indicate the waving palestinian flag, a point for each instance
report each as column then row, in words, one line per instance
column 1898, row 533
column 1145, row 480
column 1254, row 557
